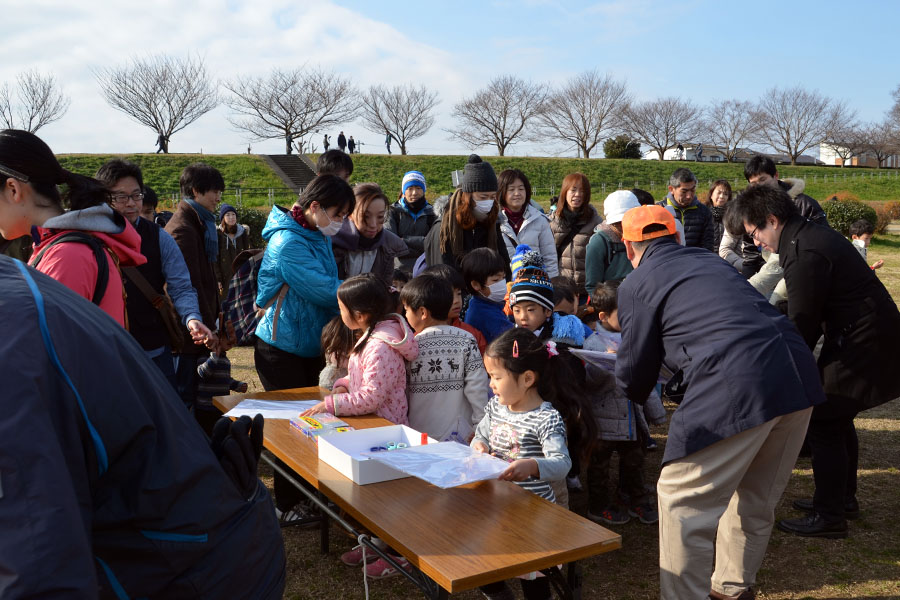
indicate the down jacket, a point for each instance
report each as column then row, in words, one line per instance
column 110, row 490
column 301, row 259
column 535, row 231
column 412, row 229
column 699, row 228
column 572, row 253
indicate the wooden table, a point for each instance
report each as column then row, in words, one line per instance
column 460, row 537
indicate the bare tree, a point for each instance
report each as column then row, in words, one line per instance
column 663, row 123
column 881, row 141
column 730, row 124
column 894, row 113
column 165, row 93
column 791, row 121
column 38, row 102
column 846, row 140
column 499, row 114
column 291, row 104
column 586, row 110
column 404, row 112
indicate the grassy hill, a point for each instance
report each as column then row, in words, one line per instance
column 254, row 178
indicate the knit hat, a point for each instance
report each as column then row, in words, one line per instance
column 532, row 285
column 617, row 204
column 525, row 257
column 478, row 176
column 412, row 178
column 226, row 208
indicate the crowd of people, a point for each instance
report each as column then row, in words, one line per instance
column 479, row 318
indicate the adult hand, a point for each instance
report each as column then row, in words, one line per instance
column 878, row 264
column 480, row 447
column 520, row 470
column 200, row 333
column 318, row 408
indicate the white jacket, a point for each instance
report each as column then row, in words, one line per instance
column 535, row 231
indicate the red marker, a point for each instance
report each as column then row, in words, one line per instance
column 424, row 439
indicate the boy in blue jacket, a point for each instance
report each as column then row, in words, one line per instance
column 485, row 275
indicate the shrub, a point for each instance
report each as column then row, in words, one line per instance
column 255, row 219
column 884, row 219
column 893, row 209
column 842, row 214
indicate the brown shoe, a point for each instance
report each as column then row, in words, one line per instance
column 747, row 594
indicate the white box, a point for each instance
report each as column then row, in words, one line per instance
column 343, row 451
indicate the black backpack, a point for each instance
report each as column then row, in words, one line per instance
column 99, row 253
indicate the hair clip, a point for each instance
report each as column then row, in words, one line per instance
column 515, row 348
column 551, row 349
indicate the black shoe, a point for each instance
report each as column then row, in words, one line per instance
column 851, row 508
column 814, row 525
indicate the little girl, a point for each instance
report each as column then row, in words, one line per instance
column 521, row 426
column 376, row 381
column 337, row 343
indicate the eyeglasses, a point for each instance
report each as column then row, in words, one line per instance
column 752, row 234
column 123, row 198
column 14, row 174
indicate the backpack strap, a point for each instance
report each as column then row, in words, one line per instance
column 99, row 254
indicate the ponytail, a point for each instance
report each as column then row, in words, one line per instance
column 82, row 192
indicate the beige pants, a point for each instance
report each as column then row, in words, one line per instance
column 720, row 503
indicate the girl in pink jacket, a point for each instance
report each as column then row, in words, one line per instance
column 376, row 381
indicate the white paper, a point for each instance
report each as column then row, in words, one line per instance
column 445, row 464
column 271, row 409
column 607, row 362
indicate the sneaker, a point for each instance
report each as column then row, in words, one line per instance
column 301, row 513
column 574, row 484
column 610, row 516
column 851, row 508
column 650, row 445
column 354, row 557
column 646, row 513
column 379, row 569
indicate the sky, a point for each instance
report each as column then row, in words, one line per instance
column 697, row 50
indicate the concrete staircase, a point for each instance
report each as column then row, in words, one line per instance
column 296, row 171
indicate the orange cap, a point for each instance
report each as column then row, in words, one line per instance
column 636, row 219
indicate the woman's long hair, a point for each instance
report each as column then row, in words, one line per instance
column 569, row 182
column 459, row 217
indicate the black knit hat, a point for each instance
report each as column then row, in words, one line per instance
column 478, row 176
column 532, row 285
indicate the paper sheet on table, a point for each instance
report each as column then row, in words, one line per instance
column 607, row 361
column 271, row 409
column 445, row 464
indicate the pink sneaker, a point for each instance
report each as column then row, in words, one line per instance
column 380, row 569
column 354, row 557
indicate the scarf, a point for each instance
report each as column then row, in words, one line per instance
column 415, row 209
column 515, row 218
column 717, row 212
column 364, row 243
column 300, row 218
column 569, row 218
column 210, row 239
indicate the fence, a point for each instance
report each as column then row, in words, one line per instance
column 238, row 197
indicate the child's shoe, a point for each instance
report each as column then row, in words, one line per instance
column 646, row 513
column 380, row 568
column 354, row 557
column 574, row 484
column 611, row 515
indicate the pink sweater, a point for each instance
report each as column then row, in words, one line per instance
column 377, row 375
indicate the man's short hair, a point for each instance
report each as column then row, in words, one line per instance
column 759, row 164
column 334, row 162
column 605, row 296
column 200, row 177
column 448, row 273
column 431, row 292
column 680, row 176
column 643, row 196
column 113, row 170
column 757, row 202
column 862, row 227
column 563, row 289
column 150, row 197
column 479, row 264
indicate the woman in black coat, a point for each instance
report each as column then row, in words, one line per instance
column 832, row 292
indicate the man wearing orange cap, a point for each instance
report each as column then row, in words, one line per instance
column 751, row 384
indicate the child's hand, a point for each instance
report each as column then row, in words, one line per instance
column 340, row 390
column 480, row 447
column 520, row 470
column 878, row 264
column 318, row 408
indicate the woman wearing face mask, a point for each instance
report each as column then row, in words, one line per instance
column 363, row 245
column 522, row 222
column 234, row 238
column 573, row 225
column 470, row 219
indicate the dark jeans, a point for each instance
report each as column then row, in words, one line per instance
column 166, row 365
column 835, row 458
column 534, row 589
column 279, row 370
column 631, row 473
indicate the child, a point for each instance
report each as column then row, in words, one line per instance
column 376, row 381
column 621, row 425
column 399, row 279
column 337, row 343
column 861, row 233
column 448, row 386
column 456, row 281
column 485, row 276
column 521, row 426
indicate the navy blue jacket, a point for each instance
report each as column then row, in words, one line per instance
column 698, row 223
column 112, row 492
column 487, row 317
column 744, row 363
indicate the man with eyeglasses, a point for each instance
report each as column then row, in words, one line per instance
column 165, row 271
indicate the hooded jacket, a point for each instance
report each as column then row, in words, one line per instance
column 303, row 260
column 377, row 375
column 74, row 265
column 352, row 260
column 742, row 368
column 807, row 205
column 699, row 228
column 572, row 255
column 605, row 257
column 228, row 251
column 115, row 485
column 412, row 229
column 535, row 231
